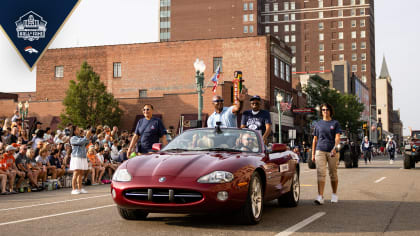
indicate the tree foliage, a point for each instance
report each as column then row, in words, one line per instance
column 347, row 108
column 88, row 103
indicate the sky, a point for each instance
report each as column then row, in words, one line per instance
column 106, row 22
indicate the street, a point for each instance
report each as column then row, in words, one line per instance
column 375, row 199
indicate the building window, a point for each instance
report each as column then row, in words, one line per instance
column 353, row 12
column 266, row 18
column 341, row 57
column 321, row 58
column 282, row 70
column 267, row 7
column 321, row 68
column 341, row 46
column 165, row 3
column 245, row 6
column 353, row 2
column 142, row 93
column 363, row 34
column 245, row 29
column 251, row 6
column 251, row 28
column 293, row 49
column 293, row 69
column 245, row 18
column 293, row 27
column 293, row 60
column 340, row 35
column 288, row 73
column 320, row 14
column 363, row 45
column 165, row 24
column 362, row 12
column 276, row 28
column 321, row 25
column 353, row 34
column 267, row 29
column 286, row 38
column 286, row 28
column 276, row 67
column 364, row 80
column 340, row 2
column 165, row 13
column 59, row 71
column 217, row 61
column 354, row 57
column 362, row 23
column 363, row 56
column 320, row 3
column 340, row 13
column 286, row 6
column 275, row 6
column 321, row 47
column 292, row 6
column 165, row 35
column 353, row 46
column 293, row 38
column 362, row 2
column 117, row 69
column 321, row 36
column 353, row 23
column 276, row 18
column 363, row 67
column 251, row 17
column 286, row 17
column 354, row 68
column 340, row 24
column 292, row 17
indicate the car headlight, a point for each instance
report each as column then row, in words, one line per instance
column 216, row 177
column 121, row 175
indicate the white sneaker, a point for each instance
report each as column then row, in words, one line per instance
column 83, row 191
column 319, row 200
column 391, row 162
column 75, row 192
column 334, row 198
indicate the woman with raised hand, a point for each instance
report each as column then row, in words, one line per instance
column 78, row 160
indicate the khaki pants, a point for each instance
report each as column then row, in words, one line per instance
column 321, row 160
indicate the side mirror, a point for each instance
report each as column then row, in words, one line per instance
column 157, row 147
column 278, row 147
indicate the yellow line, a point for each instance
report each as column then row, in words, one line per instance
column 306, row 185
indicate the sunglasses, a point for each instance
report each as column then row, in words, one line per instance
column 255, row 103
column 218, row 100
column 249, row 139
column 146, row 109
column 325, row 109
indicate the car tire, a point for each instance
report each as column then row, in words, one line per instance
column 311, row 164
column 291, row 198
column 356, row 163
column 407, row 162
column 348, row 163
column 251, row 212
column 132, row 214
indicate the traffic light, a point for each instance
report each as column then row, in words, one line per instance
column 365, row 128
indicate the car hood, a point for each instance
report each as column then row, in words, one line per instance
column 191, row 164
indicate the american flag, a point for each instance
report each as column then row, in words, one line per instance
column 215, row 79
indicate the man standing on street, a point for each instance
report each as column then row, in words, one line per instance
column 257, row 119
column 226, row 115
column 391, row 145
column 366, row 148
column 149, row 130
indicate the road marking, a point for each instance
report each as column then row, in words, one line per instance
column 379, row 180
column 307, row 171
column 59, row 214
column 306, row 185
column 50, row 203
column 300, row 225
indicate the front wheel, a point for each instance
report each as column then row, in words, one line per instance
column 407, row 162
column 251, row 212
column 291, row 198
column 132, row 214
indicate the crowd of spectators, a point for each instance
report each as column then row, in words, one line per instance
column 35, row 157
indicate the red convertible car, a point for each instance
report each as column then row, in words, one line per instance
column 208, row 170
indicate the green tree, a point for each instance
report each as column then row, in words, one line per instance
column 88, row 103
column 347, row 108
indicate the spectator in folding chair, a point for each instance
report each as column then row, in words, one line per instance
column 42, row 159
column 33, row 166
column 22, row 163
column 7, row 160
column 97, row 169
column 54, row 161
column 4, row 175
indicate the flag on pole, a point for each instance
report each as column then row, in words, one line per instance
column 215, row 79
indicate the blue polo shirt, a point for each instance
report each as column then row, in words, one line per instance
column 326, row 131
column 150, row 131
column 227, row 117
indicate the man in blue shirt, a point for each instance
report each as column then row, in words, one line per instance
column 150, row 130
column 257, row 119
column 226, row 115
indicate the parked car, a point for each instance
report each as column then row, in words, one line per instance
column 208, row 170
column 412, row 150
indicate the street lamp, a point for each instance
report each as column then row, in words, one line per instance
column 370, row 121
column 23, row 112
column 279, row 99
column 200, row 67
column 317, row 109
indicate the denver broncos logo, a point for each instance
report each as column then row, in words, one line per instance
column 30, row 50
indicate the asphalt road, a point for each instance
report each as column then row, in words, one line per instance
column 374, row 199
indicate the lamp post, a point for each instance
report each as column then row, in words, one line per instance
column 317, row 109
column 279, row 99
column 23, row 112
column 370, row 121
column 200, row 67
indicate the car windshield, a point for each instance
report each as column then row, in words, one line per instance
column 416, row 134
column 232, row 140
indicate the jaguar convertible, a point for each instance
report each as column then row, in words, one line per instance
column 208, row 170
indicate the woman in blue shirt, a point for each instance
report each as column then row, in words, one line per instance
column 78, row 161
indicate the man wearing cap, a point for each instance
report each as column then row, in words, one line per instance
column 226, row 115
column 257, row 119
column 9, row 160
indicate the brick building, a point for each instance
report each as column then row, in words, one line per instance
column 318, row 31
column 163, row 74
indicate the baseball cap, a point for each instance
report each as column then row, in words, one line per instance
column 255, row 97
column 10, row 148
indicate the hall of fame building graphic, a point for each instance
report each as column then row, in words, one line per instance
column 31, row 26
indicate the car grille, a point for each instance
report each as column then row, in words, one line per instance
column 179, row 196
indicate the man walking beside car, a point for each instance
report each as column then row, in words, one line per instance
column 366, row 148
column 257, row 119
